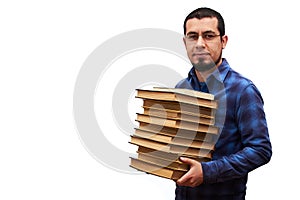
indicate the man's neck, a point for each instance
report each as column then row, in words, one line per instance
column 202, row 76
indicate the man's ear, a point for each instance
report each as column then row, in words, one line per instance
column 224, row 41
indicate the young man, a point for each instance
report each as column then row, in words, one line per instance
column 243, row 143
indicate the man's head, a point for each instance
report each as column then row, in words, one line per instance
column 205, row 38
column 200, row 13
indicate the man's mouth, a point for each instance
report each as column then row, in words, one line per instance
column 201, row 54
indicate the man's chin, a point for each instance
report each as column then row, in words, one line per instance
column 203, row 67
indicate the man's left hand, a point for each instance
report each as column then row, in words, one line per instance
column 194, row 176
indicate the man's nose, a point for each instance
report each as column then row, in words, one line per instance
column 200, row 42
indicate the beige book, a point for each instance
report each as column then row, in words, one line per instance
column 178, row 95
column 187, row 92
column 176, row 115
column 162, row 162
column 183, row 151
column 167, row 155
column 176, row 132
column 156, row 170
column 173, row 140
column 181, row 107
column 177, row 124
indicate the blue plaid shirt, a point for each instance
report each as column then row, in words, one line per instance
column 243, row 143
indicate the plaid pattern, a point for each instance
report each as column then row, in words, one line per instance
column 243, row 144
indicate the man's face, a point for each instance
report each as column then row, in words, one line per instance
column 203, row 43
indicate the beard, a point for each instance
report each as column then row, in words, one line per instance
column 203, row 65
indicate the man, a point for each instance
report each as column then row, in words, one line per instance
column 243, row 143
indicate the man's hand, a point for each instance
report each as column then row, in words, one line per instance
column 194, row 176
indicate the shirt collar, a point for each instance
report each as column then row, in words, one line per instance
column 221, row 71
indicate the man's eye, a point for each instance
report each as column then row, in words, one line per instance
column 209, row 36
column 193, row 37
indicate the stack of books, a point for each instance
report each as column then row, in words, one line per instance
column 175, row 122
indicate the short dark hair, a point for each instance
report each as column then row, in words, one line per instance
column 203, row 12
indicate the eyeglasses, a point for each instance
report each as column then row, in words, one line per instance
column 207, row 37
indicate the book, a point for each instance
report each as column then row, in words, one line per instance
column 188, row 92
column 182, row 150
column 177, row 123
column 181, row 107
column 162, row 162
column 177, row 115
column 179, row 95
column 167, row 155
column 172, row 140
column 176, row 132
column 156, row 170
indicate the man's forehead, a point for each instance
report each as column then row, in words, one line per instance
column 202, row 25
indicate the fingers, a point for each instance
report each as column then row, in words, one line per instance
column 194, row 176
column 187, row 160
column 185, row 180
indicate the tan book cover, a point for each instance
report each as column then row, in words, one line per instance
column 176, row 132
column 178, row 95
column 185, row 108
column 187, row 92
column 188, row 151
column 177, row 124
column 167, row 155
column 177, row 115
column 162, row 162
column 156, row 170
column 173, row 140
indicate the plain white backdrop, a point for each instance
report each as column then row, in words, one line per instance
column 43, row 45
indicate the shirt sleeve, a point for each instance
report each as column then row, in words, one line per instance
column 256, row 146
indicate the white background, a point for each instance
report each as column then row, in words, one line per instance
column 43, row 45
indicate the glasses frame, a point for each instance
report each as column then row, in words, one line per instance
column 207, row 37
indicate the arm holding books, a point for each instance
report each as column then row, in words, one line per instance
column 255, row 144
column 256, row 147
